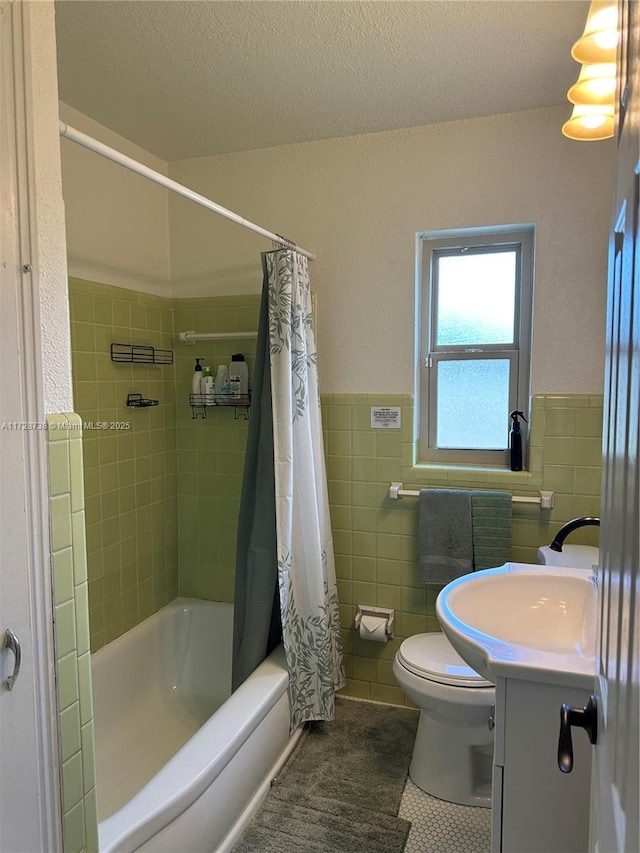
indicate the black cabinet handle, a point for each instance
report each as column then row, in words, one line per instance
column 587, row 719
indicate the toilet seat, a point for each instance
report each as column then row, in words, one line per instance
column 432, row 657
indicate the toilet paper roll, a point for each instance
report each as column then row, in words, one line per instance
column 373, row 628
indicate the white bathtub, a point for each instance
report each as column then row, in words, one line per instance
column 183, row 764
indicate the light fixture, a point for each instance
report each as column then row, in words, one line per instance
column 596, row 85
column 599, row 41
column 593, row 94
column 590, row 122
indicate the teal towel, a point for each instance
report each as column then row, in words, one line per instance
column 491, row 522
column 444, row 535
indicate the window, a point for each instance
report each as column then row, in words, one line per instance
column 475, row 334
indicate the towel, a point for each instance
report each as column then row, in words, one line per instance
column 491, row 524
column 445, row 542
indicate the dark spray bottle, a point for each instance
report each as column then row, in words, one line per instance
column 515, row 441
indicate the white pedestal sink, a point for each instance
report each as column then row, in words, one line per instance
column 525, row 621
column 531, row 630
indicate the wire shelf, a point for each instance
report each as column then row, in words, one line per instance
column 202, row 402
column 137, row 401
column 219, row 400
column 140, row 354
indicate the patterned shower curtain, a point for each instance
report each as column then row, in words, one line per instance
column 306, row 568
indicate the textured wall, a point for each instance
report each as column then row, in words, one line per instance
column 358, row 203
column 46, row 208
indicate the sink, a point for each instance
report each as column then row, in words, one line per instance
column 524, row 621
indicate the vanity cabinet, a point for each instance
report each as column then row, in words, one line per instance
column 535, row 807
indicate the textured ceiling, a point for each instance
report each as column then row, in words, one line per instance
column 188, row 79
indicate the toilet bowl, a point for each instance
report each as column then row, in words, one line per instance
column 453, row 751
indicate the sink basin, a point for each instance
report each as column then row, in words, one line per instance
column 524, row 621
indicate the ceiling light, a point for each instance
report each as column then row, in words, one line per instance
column 599, row 41
column 590, row 122
column 596, row 85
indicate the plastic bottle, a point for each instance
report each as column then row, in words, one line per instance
column 196, row 382
column 515, row 441
column 207, row 384
column 226, row 387
column 239, row 375
column 221, row 375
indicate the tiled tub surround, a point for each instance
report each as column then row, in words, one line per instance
column 164, row 492
column 73, row 659
column 375, row 538
column 210, row 451
column 130, row 474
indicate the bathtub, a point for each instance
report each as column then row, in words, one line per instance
column 181, row 762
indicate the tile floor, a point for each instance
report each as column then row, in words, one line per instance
column 441, row 827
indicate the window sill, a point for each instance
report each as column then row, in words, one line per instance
column 471, row 475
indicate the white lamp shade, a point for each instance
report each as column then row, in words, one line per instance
column 596, row 85
column 599, row 42
column 590, row 122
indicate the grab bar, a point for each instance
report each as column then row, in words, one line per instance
column 544, row 500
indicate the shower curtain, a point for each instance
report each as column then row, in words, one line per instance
column 256, row 611
column 304, row 557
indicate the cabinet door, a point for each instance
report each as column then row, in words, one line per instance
column 543, row 809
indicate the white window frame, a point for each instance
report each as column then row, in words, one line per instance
column 433, row 245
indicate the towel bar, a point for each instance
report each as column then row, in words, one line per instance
column 544, row 499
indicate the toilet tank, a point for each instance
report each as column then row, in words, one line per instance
column 571, row 556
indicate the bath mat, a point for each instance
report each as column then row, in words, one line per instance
column 340, row 791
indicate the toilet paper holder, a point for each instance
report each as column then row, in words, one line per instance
column 386, row 613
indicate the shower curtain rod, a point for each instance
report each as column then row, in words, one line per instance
column 97, row 147
column 192, row 337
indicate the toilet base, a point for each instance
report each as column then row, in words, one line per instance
column 451, row 764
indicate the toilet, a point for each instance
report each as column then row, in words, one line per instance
column 453, row 752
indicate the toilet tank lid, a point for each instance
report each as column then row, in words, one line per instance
column 431, row 656
column 571, row 556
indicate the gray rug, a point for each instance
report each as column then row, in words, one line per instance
column 340, row 791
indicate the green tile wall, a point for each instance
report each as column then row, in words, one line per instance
column 114, row 507
column 375, row 538
column 130, row 474
column 73, row 659
column 210, row 451
column 162, row 495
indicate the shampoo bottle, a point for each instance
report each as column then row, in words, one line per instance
column 196, row 382
column 515, row 441
column 239, row 375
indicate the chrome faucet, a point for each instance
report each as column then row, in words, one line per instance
column 569, row 527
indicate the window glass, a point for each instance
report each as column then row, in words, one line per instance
column 473, row 399
column 476, row 298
